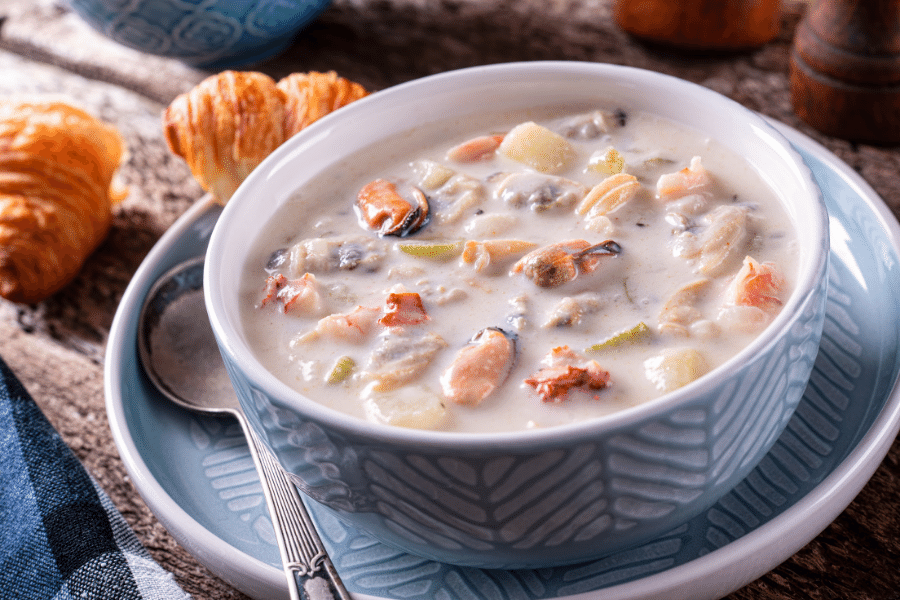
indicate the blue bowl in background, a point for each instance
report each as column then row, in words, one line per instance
column 219, row 34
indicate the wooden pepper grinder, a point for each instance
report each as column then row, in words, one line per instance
column 845, row 69
column 701, row 24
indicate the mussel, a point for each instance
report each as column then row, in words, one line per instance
column 383, row 209
column 480, row 367
column 556, row 264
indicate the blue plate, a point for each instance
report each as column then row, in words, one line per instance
column 196, row 475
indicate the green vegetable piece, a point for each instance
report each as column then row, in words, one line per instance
column 341, row 370
column 633, row 335
column 432, row 250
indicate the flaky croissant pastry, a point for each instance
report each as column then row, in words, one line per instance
column 230, row 122
column 56, row 193
column 311, row 96
column 224, row 127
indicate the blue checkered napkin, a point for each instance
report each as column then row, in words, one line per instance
column 60, row 535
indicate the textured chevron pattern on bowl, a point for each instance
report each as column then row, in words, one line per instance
column 803, row 451
column 574, row 499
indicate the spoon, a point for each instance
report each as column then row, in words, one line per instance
column 179, row 354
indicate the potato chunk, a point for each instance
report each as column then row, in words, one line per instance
column 414, row 407
column 537, row 147
column 431, row 175
column 675, row 368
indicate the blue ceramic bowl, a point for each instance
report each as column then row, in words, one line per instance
column 549, row 496
column 218, row 34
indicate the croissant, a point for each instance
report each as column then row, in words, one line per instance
column 230, row 122
column 224, row 127
column 57, row 164
column 311, row 96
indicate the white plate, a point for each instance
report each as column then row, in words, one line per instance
column 196, row 476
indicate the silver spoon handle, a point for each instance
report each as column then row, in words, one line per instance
column 310, row 573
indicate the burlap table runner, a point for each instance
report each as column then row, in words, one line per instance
column 57, row 347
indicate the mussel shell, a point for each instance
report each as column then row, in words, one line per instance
column 381, row 208
column 418, row 218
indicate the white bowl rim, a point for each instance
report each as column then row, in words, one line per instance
column 807, row 281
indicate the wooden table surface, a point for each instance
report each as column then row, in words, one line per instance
column 57, row 347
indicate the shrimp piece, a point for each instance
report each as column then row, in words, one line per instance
column 403, row 308
column 353, row 327
column 483, row 254
column 691, row 180
column 480, row 367
column 753, row 297
column 757, row 284
column 273, row 284
column 566, row 370
column 297, row 296
column 556, row 264
column 476, row 149
column 561, row 355
column 383, row 209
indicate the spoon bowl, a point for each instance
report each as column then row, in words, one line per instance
column 178, row 351
column 175, row 337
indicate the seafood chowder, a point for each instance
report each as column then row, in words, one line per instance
column 518, row 271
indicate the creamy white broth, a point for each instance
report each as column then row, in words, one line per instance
column 626, row 289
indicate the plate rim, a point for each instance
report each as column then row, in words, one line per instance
column 723, row 570
column 208, row 548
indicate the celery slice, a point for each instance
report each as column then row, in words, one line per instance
column 432, row 250
column 633, row 335
column 341, row 370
